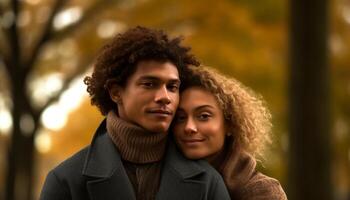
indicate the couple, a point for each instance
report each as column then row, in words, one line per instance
column 173, row 129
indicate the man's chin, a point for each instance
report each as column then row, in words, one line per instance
column 158, row 128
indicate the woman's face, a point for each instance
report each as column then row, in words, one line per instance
column 199, row 127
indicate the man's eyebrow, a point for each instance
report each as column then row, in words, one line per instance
column 155, row 78
column 175, row 81
column 149, row 77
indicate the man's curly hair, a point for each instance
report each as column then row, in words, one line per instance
column 118, row 59
column 245, row 113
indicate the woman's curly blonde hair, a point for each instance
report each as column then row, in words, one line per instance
column 246, row 115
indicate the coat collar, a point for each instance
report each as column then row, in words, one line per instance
column 103, row 158
column 182, row 166
column 107, row 177
column 178, row 177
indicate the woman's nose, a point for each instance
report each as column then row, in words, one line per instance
column 190, row 127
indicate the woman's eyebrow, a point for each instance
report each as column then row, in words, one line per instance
column 180, row 109
column 204, row 106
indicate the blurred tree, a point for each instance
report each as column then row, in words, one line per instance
column 309, row 105
column 19, row 56
column 340, row 62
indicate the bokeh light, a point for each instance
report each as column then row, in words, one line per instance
column 108, row 28
column 5, row 122
column 43, row 142
column 67, row 17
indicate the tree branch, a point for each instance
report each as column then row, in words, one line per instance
column 49, row 35
column 45, row 36
column 15, row 6
column 15, row 55
column 5, row 55
column 4, row 38
column 4, row 75
column 89, row 13
column 6, row 62
column 65, row 86
column 1, row 10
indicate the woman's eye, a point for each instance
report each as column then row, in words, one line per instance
column 204, row 116
column 179, row 119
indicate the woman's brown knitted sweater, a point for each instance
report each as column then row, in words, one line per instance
column 242, row 180
column 141, row 152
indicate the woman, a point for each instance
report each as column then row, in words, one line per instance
column 222, row 121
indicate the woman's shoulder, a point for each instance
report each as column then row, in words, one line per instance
column 262, row 187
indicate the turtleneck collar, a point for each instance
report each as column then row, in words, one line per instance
column 135, row 144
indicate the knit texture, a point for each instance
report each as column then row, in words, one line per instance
column 141, row 152
column 241, row 178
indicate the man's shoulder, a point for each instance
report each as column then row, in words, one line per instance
column 73, row 165
column 210, row 171
column 185, row 167
column 66, row 180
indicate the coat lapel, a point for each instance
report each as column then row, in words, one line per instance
column 108, row 180
column 116, row 187
column 178, row 180
column 103, row 167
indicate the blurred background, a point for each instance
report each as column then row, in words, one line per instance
column 47, row 47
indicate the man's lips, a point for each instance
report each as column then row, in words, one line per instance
column 160, row 111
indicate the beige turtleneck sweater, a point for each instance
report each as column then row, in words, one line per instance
column 141, row 152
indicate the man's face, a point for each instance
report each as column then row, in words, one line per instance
column 150, row 97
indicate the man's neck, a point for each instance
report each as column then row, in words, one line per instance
column 135, row 143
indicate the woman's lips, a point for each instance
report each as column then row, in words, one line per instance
column 192, row 141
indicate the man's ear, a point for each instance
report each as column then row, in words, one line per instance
column 114, row 91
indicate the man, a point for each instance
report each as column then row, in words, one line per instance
column 135, row 84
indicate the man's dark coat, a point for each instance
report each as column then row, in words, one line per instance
column 97, row 172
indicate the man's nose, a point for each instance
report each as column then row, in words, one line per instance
column 162, row 95
column 190, row 127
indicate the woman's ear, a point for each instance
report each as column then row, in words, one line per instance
column 228, row 129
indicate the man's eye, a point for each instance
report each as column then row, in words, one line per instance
column 173, row 88
column 148, row 84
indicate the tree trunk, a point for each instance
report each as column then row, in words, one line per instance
column 21, row 149
column 19, row 176
column 20, row 169
column 309, row 114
